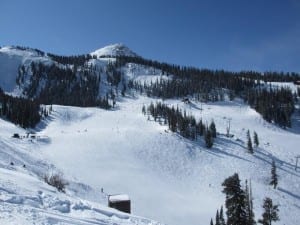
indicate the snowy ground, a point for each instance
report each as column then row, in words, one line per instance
column 168, row 178
column 26, row 199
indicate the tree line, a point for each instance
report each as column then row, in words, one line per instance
column 76, row 60
column 51, row 84
column 180, row 122
column 274, row 104
column 21, row 111
column 221, row 75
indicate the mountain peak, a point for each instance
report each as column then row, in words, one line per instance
column 114, row 50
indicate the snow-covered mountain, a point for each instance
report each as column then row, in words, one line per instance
column 11, row 58
column 17, row 72
column 113, row 50
column 168, row 178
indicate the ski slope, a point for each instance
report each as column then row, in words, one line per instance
column 168, row 178
column 26, row 199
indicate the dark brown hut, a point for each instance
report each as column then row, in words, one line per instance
column 120, row 202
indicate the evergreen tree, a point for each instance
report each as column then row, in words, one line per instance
column 249, row 205
column 211, row 222
column 208, row 138
column 274, row 176
column 200, row 128
column 123, row 89
column 235, row 201
column 213, row 130
column 270, row 212
column 222, row 220
column 144, row 110
column 21, row 111
column 255, row 139
column 217, row 218
column 249, row 143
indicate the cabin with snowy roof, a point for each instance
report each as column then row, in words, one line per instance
column 120, row 202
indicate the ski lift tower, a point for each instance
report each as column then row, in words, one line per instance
column 228, row 127
column 297, row 158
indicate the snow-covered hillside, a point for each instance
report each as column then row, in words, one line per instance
column 16, row 72
column 26, row 199
column 169, row 179
column 11, row 58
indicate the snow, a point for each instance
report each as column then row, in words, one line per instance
column 10, row 60
column 118, row 198
column 26, row 199
column 290, row 85
column 113, row 50
column 168, row 178
column 143, row 74
column 122, row 152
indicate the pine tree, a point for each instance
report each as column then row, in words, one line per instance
column 274, row 176
column 255, row 139
column 144, row 110
column 211, row 222
column 235, row 201
column 270, row 212
column 249, row 143
column 213, row 130
column 221, row 216
column 249, row 205
column 200, row 128
column 208, row 138
column 217, row 218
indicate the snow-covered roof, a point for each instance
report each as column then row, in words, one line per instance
column 118, row 198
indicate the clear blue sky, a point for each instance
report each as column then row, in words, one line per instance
column 230, row 34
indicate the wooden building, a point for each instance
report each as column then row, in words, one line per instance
column 120, row 202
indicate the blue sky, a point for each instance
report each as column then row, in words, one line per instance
column 233, row 34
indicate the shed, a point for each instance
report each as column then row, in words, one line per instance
column 120, row 202
column 297, row 82
column 16, row 135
